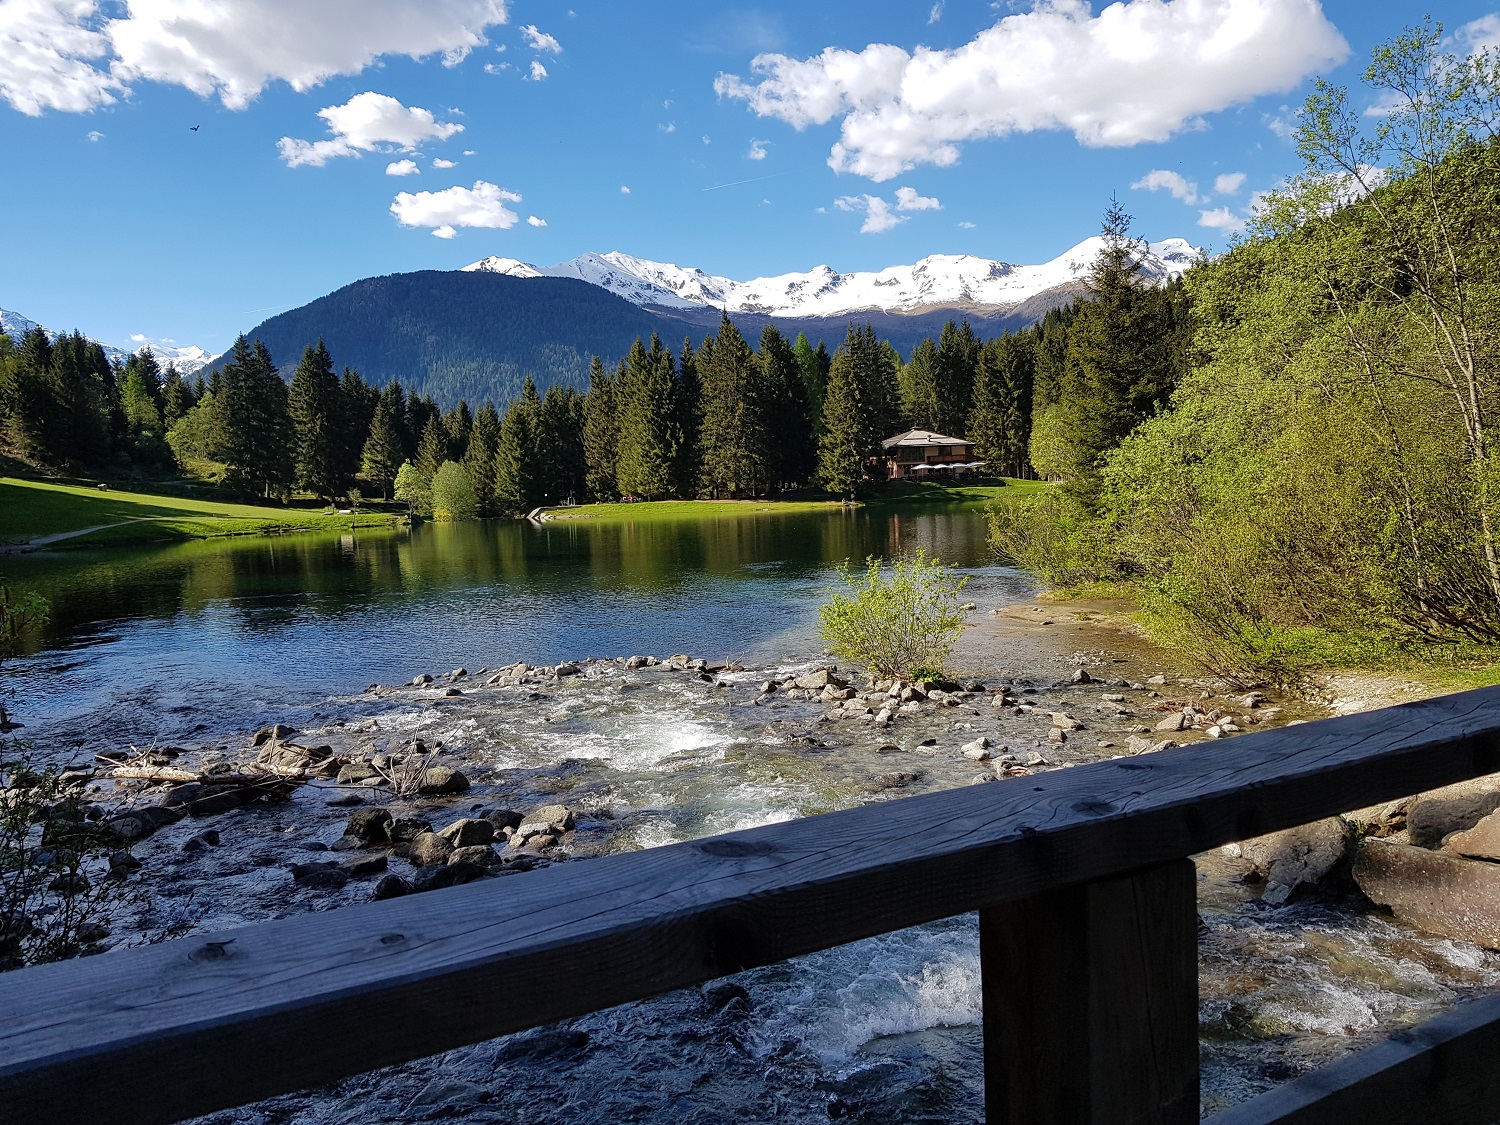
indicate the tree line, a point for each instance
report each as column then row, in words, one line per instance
column 1323, row 485
column 719, row 419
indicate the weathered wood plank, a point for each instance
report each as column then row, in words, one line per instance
column 1091, row 1003
column 1442, row 1072
column 185, row 1027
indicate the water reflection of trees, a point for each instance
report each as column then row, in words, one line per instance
column 266, row 582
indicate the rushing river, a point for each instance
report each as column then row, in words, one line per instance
column 198, row 644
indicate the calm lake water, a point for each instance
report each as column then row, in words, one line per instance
column 222, row 635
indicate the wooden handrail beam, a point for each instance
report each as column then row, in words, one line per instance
column 183, row 1028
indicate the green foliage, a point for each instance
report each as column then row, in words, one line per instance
column 414, row 490
column 1054, row 537
column 313, row 402
column 453, row 495
column 897, row 622
column 649, row 433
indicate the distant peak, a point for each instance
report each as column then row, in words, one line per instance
column 510, row 266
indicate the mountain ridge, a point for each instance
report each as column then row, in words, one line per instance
column 936, row 282
column 189, row 360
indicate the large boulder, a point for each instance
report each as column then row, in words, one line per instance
column 1302, row 856
column 1431, row 816
column 1438, row 892
column 429, row 848
column 442, row 781
column 1480, row 842
column 469, row 833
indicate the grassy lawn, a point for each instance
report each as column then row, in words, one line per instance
column 30, row 509
column 904, row 492
column 660, row 511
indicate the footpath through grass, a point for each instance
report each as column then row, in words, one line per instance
column 32, row 510
column 902, row 492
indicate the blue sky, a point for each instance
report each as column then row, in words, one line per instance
column 995, row 129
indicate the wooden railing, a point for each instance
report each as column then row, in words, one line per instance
column 1087, row 937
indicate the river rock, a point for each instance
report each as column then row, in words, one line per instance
column 1301, row 856
column 640, row 661
column 978, row 750
column 1480, row 842
column 1065, row 722
column 1081, row 676
column 354, row 773
column 468, row 833
column 814, row 681
column 429, row 848
column 365, row 866
column 442, row 781
column 405, row 829
column 323, row 876
column 370, row 826
column 1174, row 722
column 1434, row 814
column 556, row 819
column 390, row 886
column 481, row 854
column 1380, row 820
column 273, row 734
column 1434, row 891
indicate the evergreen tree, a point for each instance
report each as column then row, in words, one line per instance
column 1000, row 419
column 139, row 396
column 919, row 406
column 479, row 459
column 432, row 450
column 255, row 426
column 784, row 412
column 601, row 428
column 844, row 447
column 383, row 452
column 456, row 424
column 953, row 371
column 561, row 471
column 648, row 437
column 733, row 438
column 355, row 417
column 687, row 395
column 313, row 401
column 177, row 397
column 515, row 454
column 814, row 368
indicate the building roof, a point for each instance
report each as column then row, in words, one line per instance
column 921, row 438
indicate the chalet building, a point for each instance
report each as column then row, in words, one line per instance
column 918, row 454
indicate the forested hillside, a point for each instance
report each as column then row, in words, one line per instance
column 1324, row 482
column 454, row 335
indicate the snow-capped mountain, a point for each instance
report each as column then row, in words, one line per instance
column 937, row 281
column 188, row 359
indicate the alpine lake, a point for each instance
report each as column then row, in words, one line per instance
column 191, row 648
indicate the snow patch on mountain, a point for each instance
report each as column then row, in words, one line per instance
column 189, row 359
column 937, row 281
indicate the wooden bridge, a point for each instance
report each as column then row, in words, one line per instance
column 1088, row 939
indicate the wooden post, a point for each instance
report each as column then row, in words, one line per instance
column 1091, row 1003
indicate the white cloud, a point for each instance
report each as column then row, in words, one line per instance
column 907, row 199
column 497, row 68
column 878, row 215
column 624, row 190
column 966, row 225
column 70, row 55
column 1283, row 122
column 1140, row 70
column 1229, row 183
column 538, row 71
column 1221, row 219
column 95, row 135
column 442, row 164
column 1478, row 35
column 540, row 40
column 1160, row 179
column 669, row 127
column 483, row 205
column 468, row 152
column 365, row 123
column 402, row 168
column 757, row 150
column 936, row 13
column 535, row 221
column 707, row 139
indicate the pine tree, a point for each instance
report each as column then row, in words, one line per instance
column 919, row 407
column 515, row 455
column 784, row 411
column 954, row 364
column 313, row 401
column 648, row 437
column 560, row 463
column 687, row 402
column 177, row 397
column 255, row 426
column 479, row 458
column 844, row 446
column 138, row 395
column 733, row 438
column 456, row 424
column 383, row 452
column 601, row 430
column 432, row 450
column 1000, row 419
column 814, row 368
column 355, row 415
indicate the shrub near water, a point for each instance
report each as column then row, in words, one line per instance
column 896, row 622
